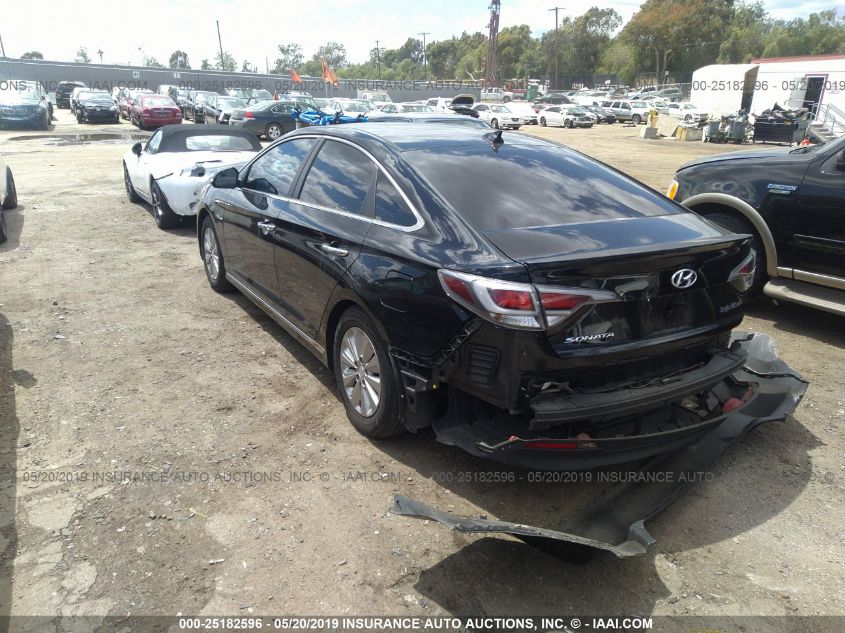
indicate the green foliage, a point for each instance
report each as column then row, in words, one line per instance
column 179, row 59
column 290, row 58
column 227, row 63
column 82, row 56
column 32, row 55
column 152, row 62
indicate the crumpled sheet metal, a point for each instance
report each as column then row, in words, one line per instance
column 615, row 522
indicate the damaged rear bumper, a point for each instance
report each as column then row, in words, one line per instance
column 616, row 522
column 630, row 425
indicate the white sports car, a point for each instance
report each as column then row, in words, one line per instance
column 170, row 171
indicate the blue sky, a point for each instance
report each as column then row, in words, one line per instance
column 251, row 30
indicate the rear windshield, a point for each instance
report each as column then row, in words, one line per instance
column 526, row 186
column 214, row 142
column 158, row 101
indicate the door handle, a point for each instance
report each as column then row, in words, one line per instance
column 265, row 227
column 328, row 249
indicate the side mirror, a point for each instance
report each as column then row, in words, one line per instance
column 226, row 179
column 840, row 160
column 136, row 149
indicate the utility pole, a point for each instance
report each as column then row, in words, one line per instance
column 378, row 58
column 425, row 57
column 220, row 42
column 2, row 49
column 557, row 70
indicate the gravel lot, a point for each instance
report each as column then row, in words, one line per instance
column 259, row 498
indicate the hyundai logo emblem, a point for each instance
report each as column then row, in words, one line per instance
column 684, row 278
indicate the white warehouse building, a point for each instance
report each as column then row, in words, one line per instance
column 816, row 83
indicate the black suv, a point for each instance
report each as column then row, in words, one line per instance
column 63, row 92
column 529, row 303
column 793, row 204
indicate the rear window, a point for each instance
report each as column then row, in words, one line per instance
column 215, row 142
column 527, row 186
column 157, row 101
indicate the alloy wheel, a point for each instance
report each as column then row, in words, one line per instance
column 210, row 253
column 360, row 372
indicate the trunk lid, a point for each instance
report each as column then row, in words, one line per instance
column 645, row 262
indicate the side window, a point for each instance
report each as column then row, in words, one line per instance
column 275, row 171
column 626, row 106
column 390, row 207
column 153, row 143
column 340, row 178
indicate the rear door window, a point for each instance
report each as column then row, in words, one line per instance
column 389, row 204
column 275, row 171
column 340, row 178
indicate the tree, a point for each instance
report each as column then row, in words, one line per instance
column 227, row 63
column 290, row 57
column 685, row 30
column 179, row 59
column 247, row 68
column 82, row 56
column 333, row 53
column 152, row 62
column 205, row 65
column 32, row 55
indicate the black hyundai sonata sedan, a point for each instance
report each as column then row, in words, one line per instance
column 527, row 302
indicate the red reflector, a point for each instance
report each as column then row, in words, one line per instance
column 512, row 299
column 561, row 301
column 551, row 445
column 458, row 287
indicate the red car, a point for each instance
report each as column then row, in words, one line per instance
column 154, row 111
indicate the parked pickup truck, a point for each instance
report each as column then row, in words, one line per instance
column 496, row 94
column 791, row 202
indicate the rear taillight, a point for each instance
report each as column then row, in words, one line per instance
column 742, row 277
column 518, row 305
column 249, row 115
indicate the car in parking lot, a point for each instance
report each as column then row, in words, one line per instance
column 63, row 92
column 498, row 116
column 687, row 112
column 792, row 203
column 525, row 111
column 152, row 110
column 192, row 110
column 554, row 115
column 170, row 170
column 218, row 109
column 542, row 309
column 428, row 117
column 439, row 104
column 24, row 104
column 270, row 119
column 634, row 111
column 602, row 115
column 96, row 106
column 127, row 99
column 350, row 106
column 8, row 197
column 398, row 108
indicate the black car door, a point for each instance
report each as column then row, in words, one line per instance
column 253, row 212
column 819, row 220
column 329, row 217
column 281, row 114
column 210, row 109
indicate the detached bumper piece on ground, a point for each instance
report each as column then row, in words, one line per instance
column 616, row 521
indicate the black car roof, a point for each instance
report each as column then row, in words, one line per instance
column 173, row 136
column 394, row 137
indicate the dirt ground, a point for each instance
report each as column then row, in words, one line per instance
column 248, row 492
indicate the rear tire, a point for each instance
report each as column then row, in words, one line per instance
column 543, row 121
column 368, row 384
column 273, row 131
column 494, row 123
column 212, row 257
column 636, row 119
column 736, row 224
column 11, row 199
column 4, row 234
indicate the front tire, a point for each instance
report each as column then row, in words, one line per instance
column 165, row 218
column 543, row 121
column 11, row 199
column 368, row 385
column 4, row 234
column 636, row 119
column 130, row 190
column 494, row 123
column 212, row 257
column 735, row 224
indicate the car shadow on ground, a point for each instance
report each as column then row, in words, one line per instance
column 9, row 432
column 793, row 318
column 14, row 226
